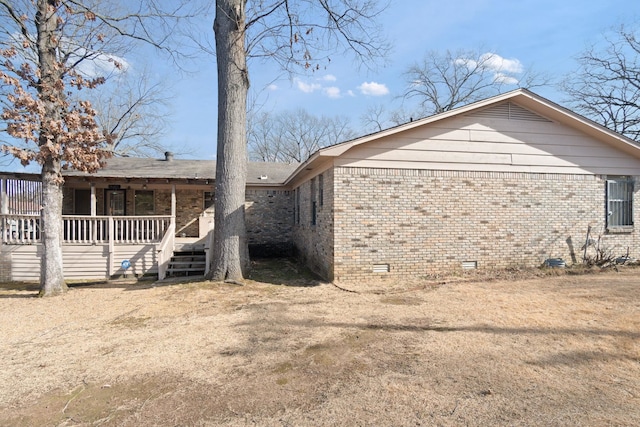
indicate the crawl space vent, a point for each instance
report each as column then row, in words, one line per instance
column 469, row 265
column 380, row 268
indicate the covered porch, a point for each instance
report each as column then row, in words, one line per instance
column 104, row 240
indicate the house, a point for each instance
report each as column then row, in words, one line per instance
column 155, row 214
column 512, row 180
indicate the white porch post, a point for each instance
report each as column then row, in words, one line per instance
column 4, row 196
column 110, row 257
column 93, row 199
column 94, row 224
column 173, row 203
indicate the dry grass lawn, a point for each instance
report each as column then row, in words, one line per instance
column 538, row 349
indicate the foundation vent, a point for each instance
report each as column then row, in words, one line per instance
column 469, row 265
column 380, row 268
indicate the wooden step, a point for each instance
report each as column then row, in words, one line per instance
column 187, row 263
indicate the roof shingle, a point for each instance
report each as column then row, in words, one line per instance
column 134, row 167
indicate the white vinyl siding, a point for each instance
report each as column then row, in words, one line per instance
column 484, row 143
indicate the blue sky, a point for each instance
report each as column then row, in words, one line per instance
column 544, row 35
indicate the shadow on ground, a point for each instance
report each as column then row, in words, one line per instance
column 274, row 271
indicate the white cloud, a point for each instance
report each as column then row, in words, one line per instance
column 502, row 68
column 272, row 87
column 350, row 93
column 307, row 87
column 499, row 64
column 329, row 78
column 506, row 79
column 332, row 92
column 373, row 89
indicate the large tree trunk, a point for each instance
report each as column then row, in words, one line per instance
column 230, row 252
column 51, row 267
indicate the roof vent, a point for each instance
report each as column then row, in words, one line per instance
column 168, row 156
column 263, row 177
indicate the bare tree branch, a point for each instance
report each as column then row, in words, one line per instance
column 443, row 81
column 606, row 85
column 292, row 136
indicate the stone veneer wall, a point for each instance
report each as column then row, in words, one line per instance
column 269, row 219
column 421, row 221
column 314, row 243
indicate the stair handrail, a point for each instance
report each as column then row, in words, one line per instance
column 208, row 251
column 165, row 250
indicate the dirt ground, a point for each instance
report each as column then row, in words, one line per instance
column 557, row 349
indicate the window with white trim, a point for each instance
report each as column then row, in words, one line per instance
column 619, row 201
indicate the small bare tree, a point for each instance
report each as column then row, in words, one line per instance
column 443, row 81
column 296, row 35
column 606, row 85
column 292, row 136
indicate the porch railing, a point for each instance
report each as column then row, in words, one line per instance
column 25, row 229
column 165, row 251
column 20, row 229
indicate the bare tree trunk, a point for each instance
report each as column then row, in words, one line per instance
column 51, row 266
column 230, row 252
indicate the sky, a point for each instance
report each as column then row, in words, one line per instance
column 543, row 35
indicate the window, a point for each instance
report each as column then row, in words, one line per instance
column 314, row 213
column 321, row 189
column 82, row 202
column 296, row 209
column 144, row 202
column 313, row 201
column 619, row 202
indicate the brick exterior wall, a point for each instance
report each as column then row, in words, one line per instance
column 189, row 206
column 314, row 242
column 421, row 222
column 269, row 219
